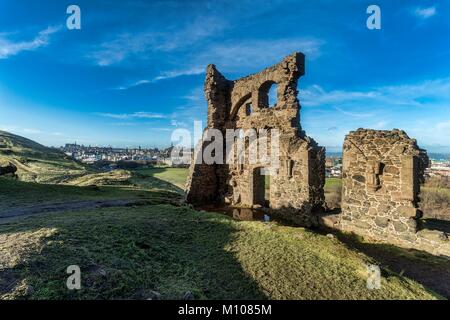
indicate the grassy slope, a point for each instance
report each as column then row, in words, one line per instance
column 125, row 252
column 173, row 249
column 36, row 162
column 120, row 184
column 18, row 193
column 175, row 176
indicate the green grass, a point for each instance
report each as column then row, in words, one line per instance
column 444, row 191
column 18, row 193
column 175, row 176
column 119, row 184
column 330, row 182
column 125, row 252
column 128, row 252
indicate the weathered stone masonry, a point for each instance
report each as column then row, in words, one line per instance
column 382, row 172
column 296, row 187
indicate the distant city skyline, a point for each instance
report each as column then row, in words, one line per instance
column 135, row 70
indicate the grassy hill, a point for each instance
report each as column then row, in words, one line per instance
column 165, row 248
column 161, row 247
column 36, row 162
column 138, row 253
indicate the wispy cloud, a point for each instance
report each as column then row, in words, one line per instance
column 354, row 114
column 132, row 85
column 9, row 48
column 431, row 134
column 139, row 45
column 179, row 73
column 164, row 76
column 233, row 56
column 134, row 115
column 419, row 108
column 425, row 13
column 418, row 94
column 120, row 48
column 315, row 95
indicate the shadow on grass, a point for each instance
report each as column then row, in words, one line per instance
column 429, row 270
column 147, row 180
column 130, row 254
column 16, row 194
column 436, row 224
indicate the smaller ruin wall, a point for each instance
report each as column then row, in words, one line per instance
column 382, row 173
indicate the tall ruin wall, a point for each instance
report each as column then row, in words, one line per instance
column 296, row 184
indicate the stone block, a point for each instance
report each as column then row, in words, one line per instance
column 400, row 226
column 381, row 222
column 407, row 212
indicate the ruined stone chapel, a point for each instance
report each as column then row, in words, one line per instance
column 382, row 170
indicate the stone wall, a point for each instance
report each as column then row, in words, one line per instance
column 296, row 185
column 382, row 172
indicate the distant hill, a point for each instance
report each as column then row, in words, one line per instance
column 36, row 162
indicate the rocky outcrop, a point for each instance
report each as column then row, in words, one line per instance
column 10, row 169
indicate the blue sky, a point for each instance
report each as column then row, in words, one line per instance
column 135, row 70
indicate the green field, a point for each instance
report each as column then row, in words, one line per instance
column 175, row 176
column 331, row 182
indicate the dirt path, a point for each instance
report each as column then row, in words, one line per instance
column 26, row 211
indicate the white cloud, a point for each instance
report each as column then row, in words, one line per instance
column 134, row 115
column 425, row 13
column 10, row 48
column 433, row 134
column 421, row 109
column 160, row 129
column 196, row 95
column 179, row 73
column 444, row 127
column 418, row 94
column 234, row 56
column 120, row 48
column 134, row 84
column 316, row 96
column 164, row 76
column 354, row 114
column 139, row 45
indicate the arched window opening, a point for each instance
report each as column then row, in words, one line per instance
column 248, row 109
column 268, row 95
column 273, row 96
